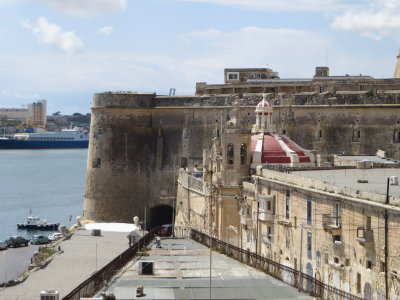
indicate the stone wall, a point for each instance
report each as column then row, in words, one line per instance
column 137, row 144
column 139, row 141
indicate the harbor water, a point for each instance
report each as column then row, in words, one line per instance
column 49, row 183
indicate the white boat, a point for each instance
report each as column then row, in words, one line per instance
column 33, row 222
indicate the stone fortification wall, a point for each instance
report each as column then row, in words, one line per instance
column 349, row 129
column 139, row 141
column 345, row 98
column 137, row 144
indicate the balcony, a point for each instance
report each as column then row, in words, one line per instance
column 285, row 222
column 267, row 239
column 332, row 223
column 266, row 215
column 245, row 220
column 365, row 236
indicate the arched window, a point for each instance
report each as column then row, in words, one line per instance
column 230, row 154
column 396, row 136
column 318, row 135
column 318, row 255
column 243, row 154
column 356, row 136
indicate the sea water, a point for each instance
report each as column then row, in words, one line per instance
column 47, row 183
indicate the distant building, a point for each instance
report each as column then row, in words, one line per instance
column 262, row 80
column 32, row 115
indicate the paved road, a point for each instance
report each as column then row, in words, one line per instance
column 83, row 254
column 15, row 261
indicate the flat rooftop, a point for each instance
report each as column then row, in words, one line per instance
column 372, row 158
column 182, row 271
column 377, row 179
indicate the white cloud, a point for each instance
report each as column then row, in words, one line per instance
column 375, row 19
column 88, row 7
column 283, row 5
column 107, row 30
column 257, row 47
column 53, row 35
column 18, row 95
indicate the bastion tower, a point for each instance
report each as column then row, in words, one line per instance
column 138, row 142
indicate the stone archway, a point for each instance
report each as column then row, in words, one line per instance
column 160, row 215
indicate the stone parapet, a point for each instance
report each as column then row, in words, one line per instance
column 123, row 100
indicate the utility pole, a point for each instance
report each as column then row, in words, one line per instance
column 386, row 241
column 210, row 223
column 301, row 256
column 257, row 236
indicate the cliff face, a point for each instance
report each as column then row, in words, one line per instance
column 138, row 142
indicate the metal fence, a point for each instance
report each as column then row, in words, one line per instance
column 303, row 282
column 94, row 283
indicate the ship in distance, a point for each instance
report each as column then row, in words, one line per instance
column 66, row 138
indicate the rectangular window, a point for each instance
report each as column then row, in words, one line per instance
column 269, row 205
column 233, row 76
column 358, row 283
column 382, row 266
column 96, row 163
column 269, row 233
column 248, row 235
column 336, row 214
column 368, row 264
column 368, row 223
column 309, row 245
column 309, row 210
column 287, row 240
column 287, row 205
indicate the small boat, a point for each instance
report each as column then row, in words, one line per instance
column 33, row 222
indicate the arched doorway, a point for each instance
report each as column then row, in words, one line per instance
column 310, row 285
column 367, row 291
column 160, row 215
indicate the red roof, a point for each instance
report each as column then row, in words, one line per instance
column 273, row 153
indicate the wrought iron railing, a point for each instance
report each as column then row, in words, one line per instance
column 303, row 282
column 94, row 283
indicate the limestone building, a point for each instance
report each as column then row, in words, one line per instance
column 332, row 223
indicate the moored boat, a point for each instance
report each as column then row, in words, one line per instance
column 33, row 222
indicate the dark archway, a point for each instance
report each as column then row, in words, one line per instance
column 160, row 215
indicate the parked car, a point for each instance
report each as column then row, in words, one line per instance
column 3, row 245
column 17, row 241
column 39, row 239
column 55, row 236
column 165, row 230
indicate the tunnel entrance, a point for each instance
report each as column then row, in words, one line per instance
column 160, row 215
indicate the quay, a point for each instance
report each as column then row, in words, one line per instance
column 82, row 255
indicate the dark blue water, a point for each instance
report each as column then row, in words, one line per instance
column 48, row 182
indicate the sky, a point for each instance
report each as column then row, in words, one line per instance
column 65, row 51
